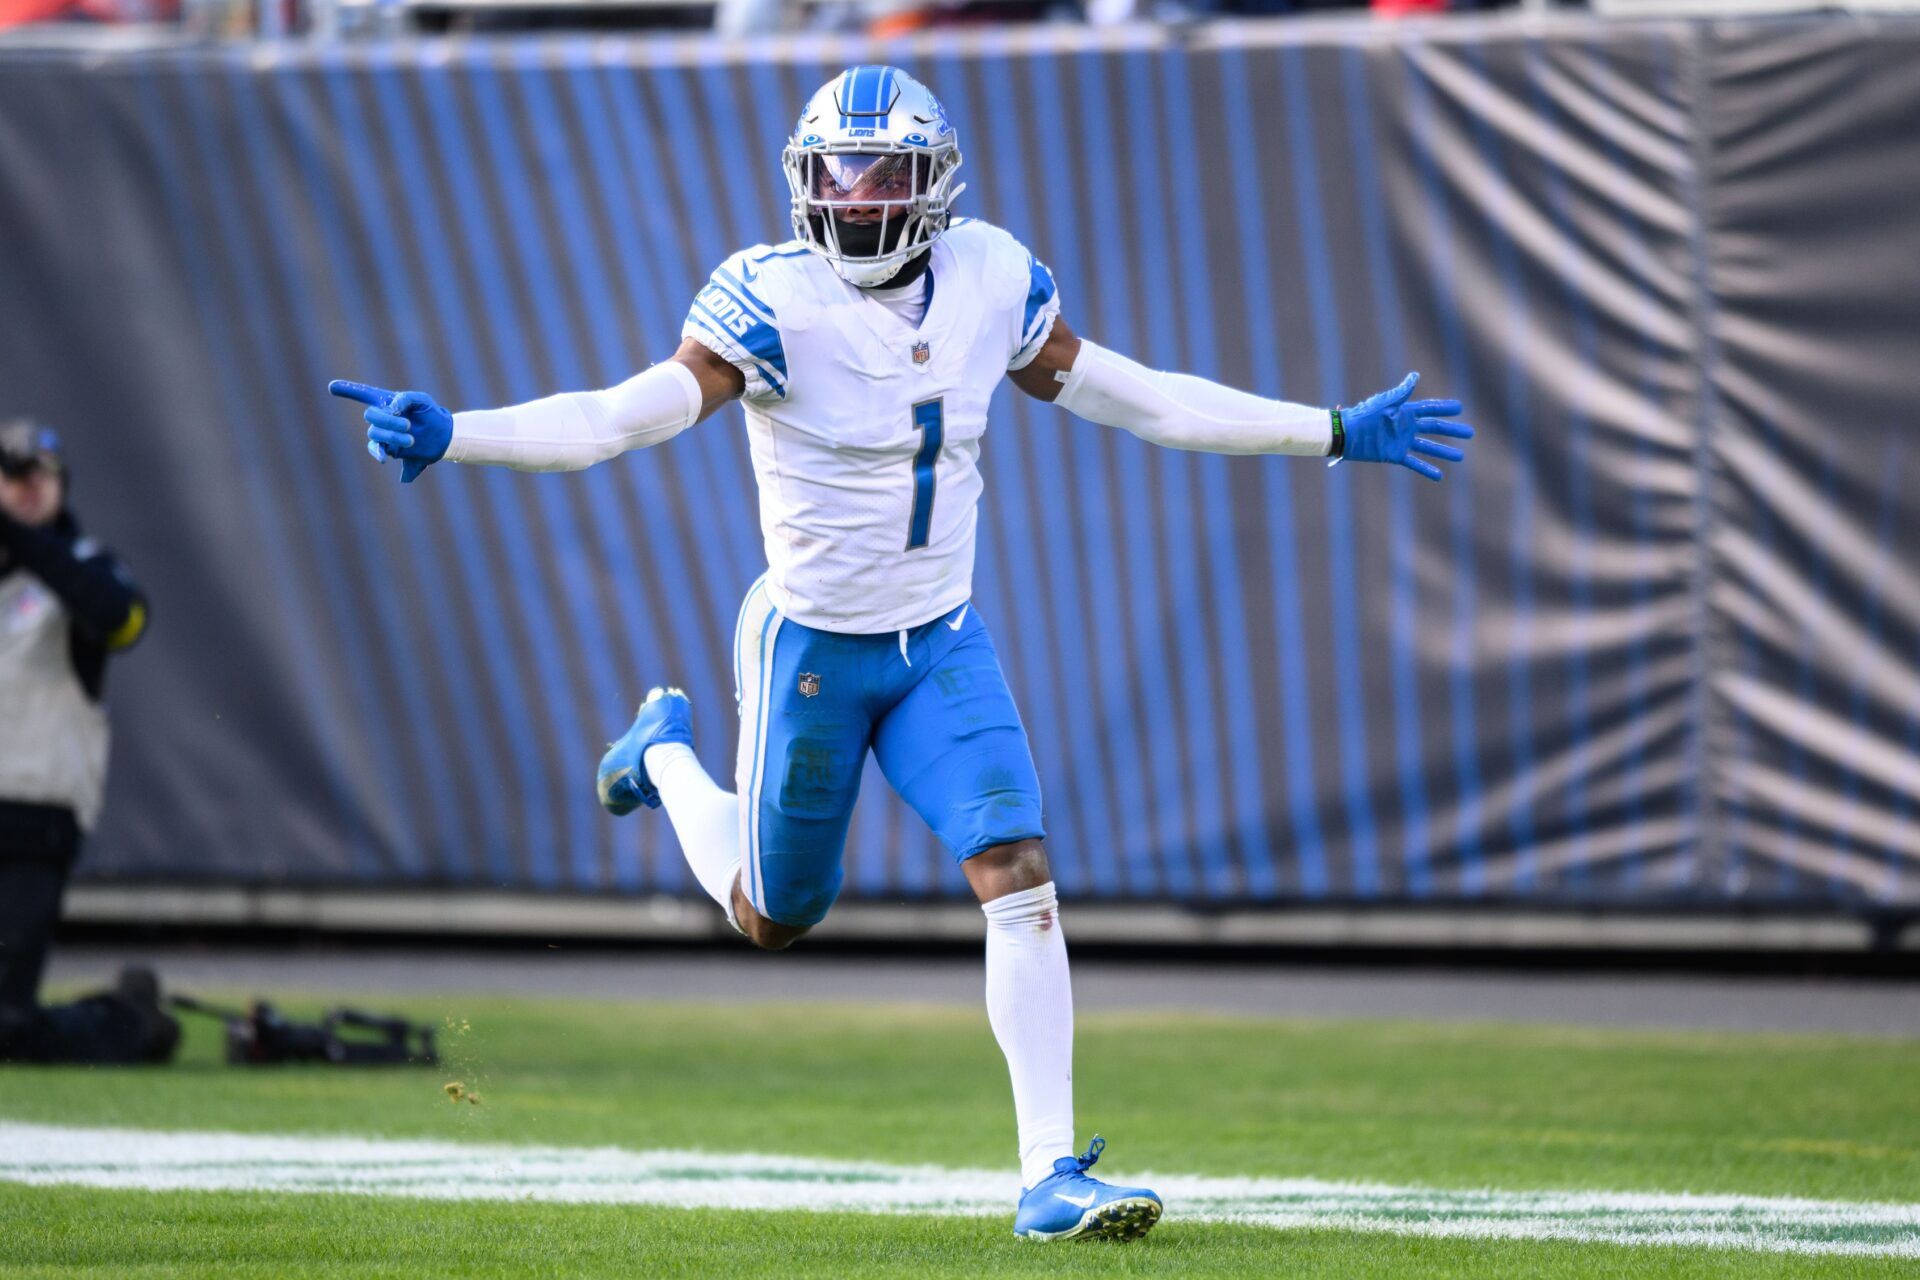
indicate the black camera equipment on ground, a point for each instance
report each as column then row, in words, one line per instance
column 261, row 1034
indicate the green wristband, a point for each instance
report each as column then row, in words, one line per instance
column 1338, row 449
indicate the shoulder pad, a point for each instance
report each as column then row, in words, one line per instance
column 780, row 277
column 1001, row 260
column 745, row 276
column 738, row 312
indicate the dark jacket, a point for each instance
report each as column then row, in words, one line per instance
column 106, row 610
column 65, row 606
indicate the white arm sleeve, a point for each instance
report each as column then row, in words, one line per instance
column 579, row 428
column 1180, row 411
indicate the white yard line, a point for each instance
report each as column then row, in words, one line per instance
column 143, row 1160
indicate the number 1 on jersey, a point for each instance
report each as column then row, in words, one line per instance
column 929, row 421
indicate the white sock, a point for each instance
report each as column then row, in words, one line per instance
column 706, row 819
column 1030, row 1004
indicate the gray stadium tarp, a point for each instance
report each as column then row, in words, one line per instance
column 1657, row 642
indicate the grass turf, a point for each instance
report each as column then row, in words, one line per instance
column 1449, row 1106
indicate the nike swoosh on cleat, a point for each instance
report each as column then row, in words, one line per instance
column 955, row 626
column 1081, row 1201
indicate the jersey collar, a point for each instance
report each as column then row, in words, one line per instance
column 935, row 321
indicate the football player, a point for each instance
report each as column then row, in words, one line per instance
column 866, row 349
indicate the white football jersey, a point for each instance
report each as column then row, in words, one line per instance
column 865, row 430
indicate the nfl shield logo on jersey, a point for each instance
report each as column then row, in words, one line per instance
column 922, row 352
column 809, row 684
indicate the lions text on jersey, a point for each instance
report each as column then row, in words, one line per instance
column 865, row 431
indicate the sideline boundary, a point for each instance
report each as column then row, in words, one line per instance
column 203, row 1161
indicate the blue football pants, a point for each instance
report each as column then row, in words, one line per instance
column 932, row 705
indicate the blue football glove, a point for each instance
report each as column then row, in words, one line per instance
column 1387, row 428
column 408, row 425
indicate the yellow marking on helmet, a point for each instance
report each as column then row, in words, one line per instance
column 132, row 629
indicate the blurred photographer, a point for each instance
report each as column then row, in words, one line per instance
column 66, row 605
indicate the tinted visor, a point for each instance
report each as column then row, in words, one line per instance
column 853, row 179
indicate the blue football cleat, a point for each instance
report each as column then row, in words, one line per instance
column 666, row 716
column 1068, row 1205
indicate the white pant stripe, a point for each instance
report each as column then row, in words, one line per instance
column 754, row 644
column 739, row 630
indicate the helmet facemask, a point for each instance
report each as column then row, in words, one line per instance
column 870, row 208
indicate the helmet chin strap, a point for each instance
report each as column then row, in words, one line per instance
column 911, row 270
column 866, row 240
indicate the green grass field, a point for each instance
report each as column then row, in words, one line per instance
column 1451, row 1107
